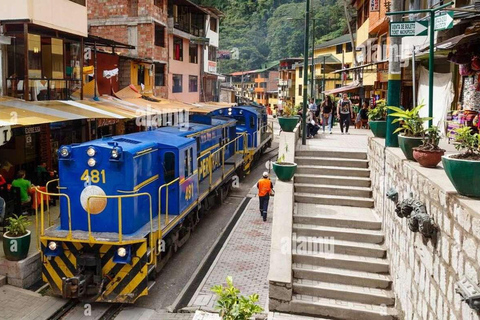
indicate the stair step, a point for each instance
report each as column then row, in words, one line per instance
column 343, row 292
column 346, row 234
column 333, row 180
column 335, row 171
column 308, row 244
column 339, row 309
column 334, row 200
column 334, row 275
column 324, row 189
column 332, row 154
column 319, row 220
column 333, row 162
column 343, row 261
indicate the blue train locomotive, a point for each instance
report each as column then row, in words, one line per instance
column 128, row 202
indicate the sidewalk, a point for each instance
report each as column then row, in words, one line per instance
column 245, row 256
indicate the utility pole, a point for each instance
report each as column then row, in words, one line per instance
column 313, row 61
column 394, row 79
column 305, row 74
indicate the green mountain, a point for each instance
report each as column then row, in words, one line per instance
column 262, row 30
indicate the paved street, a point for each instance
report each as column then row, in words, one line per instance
column 245, row 256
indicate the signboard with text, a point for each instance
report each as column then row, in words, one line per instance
column 5, row 134
column 444, row 21
column 212, row 67
column 408, row 29
column 374, row 5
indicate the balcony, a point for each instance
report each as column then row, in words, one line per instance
column 260, row 90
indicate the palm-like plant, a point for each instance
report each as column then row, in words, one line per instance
column 411, row 122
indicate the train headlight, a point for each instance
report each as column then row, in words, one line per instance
column 116, row 152
column 52, row 245
column 241, row 112
column 53, row 249
column 91, row 162
column 64, row 152
column 229, row 109
column 91, row 152
column 123, row 255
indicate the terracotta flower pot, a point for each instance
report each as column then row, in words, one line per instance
column 426, row 158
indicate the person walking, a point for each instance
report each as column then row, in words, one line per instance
column 265, row 189
column 327, row 113
column 344, row 113
column 312, row 107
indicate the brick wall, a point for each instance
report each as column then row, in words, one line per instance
column 424, row 271
column 102, row 9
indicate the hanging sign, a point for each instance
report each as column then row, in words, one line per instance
column 374, row 5
column 5, row 134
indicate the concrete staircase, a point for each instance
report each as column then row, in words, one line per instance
column 339, row 266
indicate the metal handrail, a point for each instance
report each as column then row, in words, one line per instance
column 160, row 204
column 42, row 213
column 120, row 197
column 222, row 148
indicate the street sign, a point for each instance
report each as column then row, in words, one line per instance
column 444, row 21
column 5, row 134
column 408, row 29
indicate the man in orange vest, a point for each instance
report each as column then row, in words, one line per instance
column 265, row 189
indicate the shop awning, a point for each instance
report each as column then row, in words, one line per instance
column 359, row 67
column 352, row 87
column 20, row 112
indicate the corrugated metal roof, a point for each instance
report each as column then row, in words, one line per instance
column 340, row 40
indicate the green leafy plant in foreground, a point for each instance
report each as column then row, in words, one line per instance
column 233, row 306
column 17, row 226
column 465, row 140
column 411, row 122
column 379, row 113
column 431, row 139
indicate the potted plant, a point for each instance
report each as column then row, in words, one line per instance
column 462, row 168
column 377, row 119
column 232, row 306
column 429, row 154
column 411, row 127
column 284, row 170
column 16, row 241
column 289, row 119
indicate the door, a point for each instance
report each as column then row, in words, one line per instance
column 169, row 163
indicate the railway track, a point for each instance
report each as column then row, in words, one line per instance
column 75, row 309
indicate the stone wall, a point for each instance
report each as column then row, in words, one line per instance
column 424, row 271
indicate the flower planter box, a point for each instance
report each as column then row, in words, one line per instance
column 379, row 128
column 407, row 144
column 463, row 174
column 16, row 248
column 288, row 124
column 284, row 171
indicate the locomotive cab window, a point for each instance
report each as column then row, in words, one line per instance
column 169, row 166
column 252, row 122
column 188, row 162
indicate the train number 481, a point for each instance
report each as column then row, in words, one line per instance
column 93, row 176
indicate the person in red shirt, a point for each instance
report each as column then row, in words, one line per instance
column 3, row 183
column 265, row 189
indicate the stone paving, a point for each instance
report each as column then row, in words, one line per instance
column 245, row 256
column 18, row 303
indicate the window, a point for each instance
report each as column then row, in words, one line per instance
column 300, row 72
column 193, row 53
column 348, row 47
column 212, row 53
column 159, row 74
column 169, row 166
column 213, row 24
column 188, row 162
column 177, row 48
column 383, row 48
column 300, row 90
column 177, row 83
column 252, row 122
column 158, row 3
column 339, row 48
column 192, row 84
column 140, row 74
column 159, row 35
column 240, row 120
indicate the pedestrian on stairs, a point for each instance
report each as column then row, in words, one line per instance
column 265, row 190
